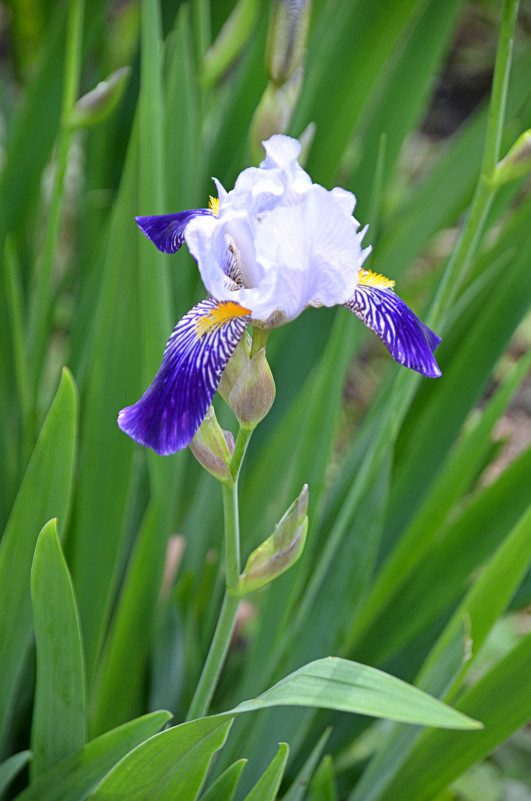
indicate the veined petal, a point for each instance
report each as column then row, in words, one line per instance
column 171, row 410
column 166, row 231
column 409, row 341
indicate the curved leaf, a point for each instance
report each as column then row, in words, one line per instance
column 350, row 687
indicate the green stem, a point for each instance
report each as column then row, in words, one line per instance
column 215, row 659
column 240, row 446
column 227, row 618
column 42, row 297
column 460, row 261
column 232, row 534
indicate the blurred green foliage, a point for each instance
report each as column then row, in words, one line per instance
column 419, row 539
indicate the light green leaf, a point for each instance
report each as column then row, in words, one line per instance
column 266, row 788
column 171, row 765
column 461, row 465
column 488, row 598
column 225, row 785
column 77, row 775
column 350, row 687
column 232, row 37
column 297, row 791
column 444, row 574
column 44, row 493
column 445, row 666
column 503, row 701
column 59, row 723
column 126, row 647
column 12, row 766
column 323, row 786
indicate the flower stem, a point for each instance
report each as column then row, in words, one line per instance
column 215, row 659
column 460, row 261
column 229, row 609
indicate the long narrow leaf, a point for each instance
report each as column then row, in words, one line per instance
column 59, row 722
column 44, row 493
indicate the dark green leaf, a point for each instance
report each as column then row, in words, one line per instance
column 59, row 723
column 44, row 493
column 77, row 775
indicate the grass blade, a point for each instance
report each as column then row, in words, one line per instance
column 59, row 720
column 44, row 493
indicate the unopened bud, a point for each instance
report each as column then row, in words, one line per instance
column 288, row 30
column 95, row 106
column 235, row 367
column 213, row 447
column 253, row 393
column 280, row 551
column 516, row 163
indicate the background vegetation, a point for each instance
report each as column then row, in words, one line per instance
column 419, row 542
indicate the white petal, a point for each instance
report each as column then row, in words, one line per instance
column 281, row 151
column 346, row 200
column 207, row 245
column 310, row 254
column 222, row 192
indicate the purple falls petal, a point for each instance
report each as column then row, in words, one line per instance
column 171, row 410
column 409, row 341
column 166, row 231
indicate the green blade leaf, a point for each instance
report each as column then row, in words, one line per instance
column 266, row 788
column 171, row 765
column 225, row 785
column 59, row 722
column 323, row 786
column 44, row 493
column 297, row 791
column 488, row 598
column 445, row 666
column 12, row 766
column 77, row 775
column 455, row 477
column 350, row 687
column 503, row 701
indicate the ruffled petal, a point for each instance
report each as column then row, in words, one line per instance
column 166, row 231
column 171, row 410
column 409, row 341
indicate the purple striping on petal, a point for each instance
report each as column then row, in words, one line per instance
column 166, row 231
column 171, row 410
column 409, row 341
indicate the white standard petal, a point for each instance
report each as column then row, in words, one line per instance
column 346, row 200
column 208, row 246
column 310, row 255
column 282, row 153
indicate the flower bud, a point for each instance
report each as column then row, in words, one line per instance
column 516, row 163
column 213, row 447
column 280, row 551
column 288, row 29
column 253, row 394
column 235, row 367
column 97, row 105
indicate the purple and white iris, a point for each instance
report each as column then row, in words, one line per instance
column 272, row 246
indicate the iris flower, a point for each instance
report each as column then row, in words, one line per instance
column 268, row 249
